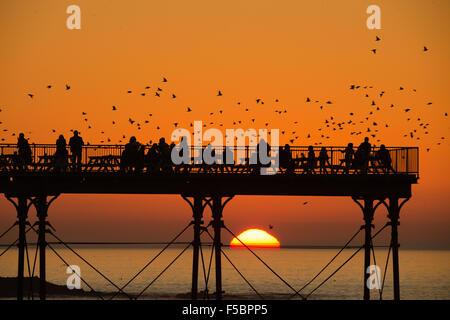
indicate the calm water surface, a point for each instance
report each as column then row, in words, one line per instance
column 423, row 274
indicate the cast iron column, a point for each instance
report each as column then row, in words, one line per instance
column 41, row 209
column 217, row 225
column 368, row 212
column 22, row 212
column 197, row 215
column 394, row 214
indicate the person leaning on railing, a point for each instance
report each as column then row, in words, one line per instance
column 384, row 158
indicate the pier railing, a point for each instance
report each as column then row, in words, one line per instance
column 109, row 158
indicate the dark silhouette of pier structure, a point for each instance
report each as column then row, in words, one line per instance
column 38, row 183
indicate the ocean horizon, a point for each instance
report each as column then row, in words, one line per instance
column 423, row 273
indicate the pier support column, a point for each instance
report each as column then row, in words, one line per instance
column 22, row 214
column 22, row 206
column 41, row 204
column 368, row 212
column 197, row 213
column 394, row 216
column 217, row 224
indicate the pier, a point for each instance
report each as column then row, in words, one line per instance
column 40, row 181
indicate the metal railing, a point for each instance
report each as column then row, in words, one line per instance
column 108, row 158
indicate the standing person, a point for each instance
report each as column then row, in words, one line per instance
column 349, row 154
column 61, row 154
column 364, row 154
column 153, row 159
column 76, row 148
column 323, row 160
column 286, row 159
column 130, row 155
column 311, row 160
column 164, row 152
column 24, row 151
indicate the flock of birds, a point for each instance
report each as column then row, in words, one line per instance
column 364, row 122
column 366, row 125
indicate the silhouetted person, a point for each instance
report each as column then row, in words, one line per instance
column 183, row 145
column 130, row 155
column 183, row 154
column 24, row 151
column 61, row 154
column 348, row 158
column 153, row 159
column 311, row 160
column 384, row 158
column 208, row 158
column 264, row 148
column 286, row 159
column 165, row 157
column 260, row 156
column 363, row 155
column 76, row 148
column 323, row 160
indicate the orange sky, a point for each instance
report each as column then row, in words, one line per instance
column 286, row 50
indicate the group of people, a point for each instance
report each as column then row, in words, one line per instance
column 76, row 144
column 61, row 156
column 357, row 160
column 158, row 157
column 363, row 155
column 308, row 164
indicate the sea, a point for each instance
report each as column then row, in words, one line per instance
column 424, row 274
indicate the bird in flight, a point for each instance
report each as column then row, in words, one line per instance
column 425, row 48
column 31, row 95
column 270, row 226
column 219, row 94
column 67, row 87
column 374, row 51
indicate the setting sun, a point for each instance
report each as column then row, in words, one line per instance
column 255, row 239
